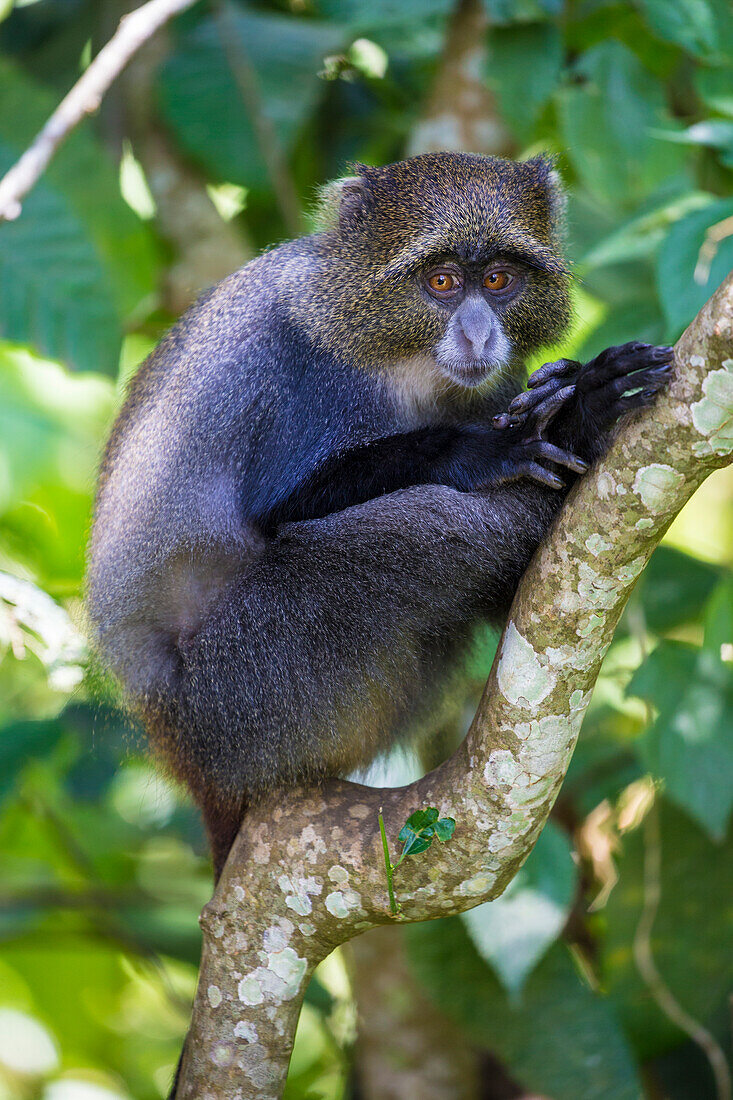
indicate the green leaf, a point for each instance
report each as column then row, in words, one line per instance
column 514, row 932
column 674, row 587
column 285, row 53
column 510, row 11
column 363, row 18
column 606, row 124
column 444, row 829
column 719, row 621
column 420, row 829
column 85, row 186
column 559, row 1039
column 681, row 294
column 51, row 424
column 641, row 235
column 689, row 23
column 716, row 133
column 417, row 842
column 515, row 51
column 691, row 935
column 419, row 820
column 714, row 86
column 689, row 746
column 20, row 742
column 54, row 292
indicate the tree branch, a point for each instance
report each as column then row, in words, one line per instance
column 461, row 112
column 307, row 872
column 84, row 98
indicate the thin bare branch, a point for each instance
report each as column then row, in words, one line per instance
column 84, row 98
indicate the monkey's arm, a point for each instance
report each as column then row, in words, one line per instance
column 467, row 458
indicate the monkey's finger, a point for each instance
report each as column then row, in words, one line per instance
column 549, row 451
column 538, row 473
column 637, row 399
column 529, row 399
column 623, row 360
column 563, row 368
column 655, row 378
column 548, row 409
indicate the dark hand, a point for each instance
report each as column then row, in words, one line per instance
column 617, row 381
column 525, row 426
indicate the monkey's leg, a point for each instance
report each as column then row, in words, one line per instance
column 222, row 821
column 341, row 632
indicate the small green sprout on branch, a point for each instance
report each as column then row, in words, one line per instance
column 416, row 835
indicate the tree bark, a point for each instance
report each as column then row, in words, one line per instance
column 461, row 112
column 405, row 1047
column 307, row 870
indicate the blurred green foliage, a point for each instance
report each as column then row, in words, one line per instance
column 103, row 866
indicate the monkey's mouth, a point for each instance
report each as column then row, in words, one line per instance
column 469, row 372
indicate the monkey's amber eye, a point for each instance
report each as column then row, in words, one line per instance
column 443, row 281
column 498, row 280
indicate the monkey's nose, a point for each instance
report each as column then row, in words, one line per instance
column 474, row 322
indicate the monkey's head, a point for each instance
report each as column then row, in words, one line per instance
column 449, row 254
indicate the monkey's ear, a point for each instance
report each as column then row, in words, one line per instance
column 341, row 203
column 547, row 177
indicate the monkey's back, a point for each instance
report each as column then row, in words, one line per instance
column 223, row 419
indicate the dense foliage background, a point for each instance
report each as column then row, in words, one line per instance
column 579, row 983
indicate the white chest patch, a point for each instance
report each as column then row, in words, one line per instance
column 422, row 392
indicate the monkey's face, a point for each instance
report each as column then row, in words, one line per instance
column 473, row 302
column 447, row 254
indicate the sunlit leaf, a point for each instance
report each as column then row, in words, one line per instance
column 685, row 281
column 513, row 932
column 559, row 1039
column 623, row 102
column 79, row 218
column 689, row 745
column 690, row 23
